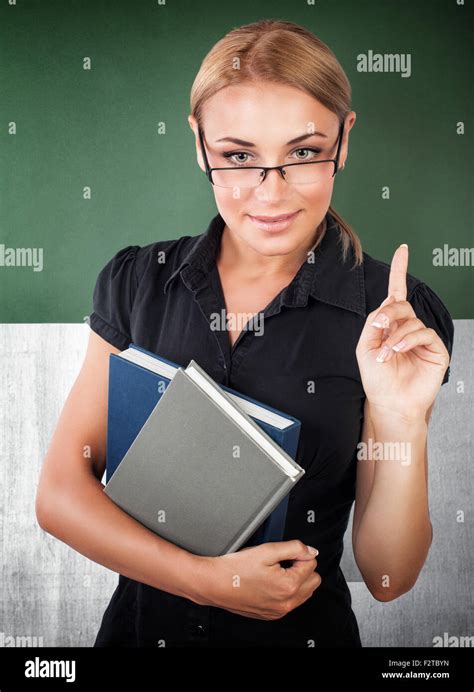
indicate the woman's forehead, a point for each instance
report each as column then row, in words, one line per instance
column 276, row 98
column 270, row 117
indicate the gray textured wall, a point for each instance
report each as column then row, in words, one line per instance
column 56, row 596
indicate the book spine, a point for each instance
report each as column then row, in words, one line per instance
column 227, row 389
column 242, row 536
column 291, row 439
column 266, row 407
column 259, row 431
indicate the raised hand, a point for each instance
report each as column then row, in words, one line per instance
column 401, row 361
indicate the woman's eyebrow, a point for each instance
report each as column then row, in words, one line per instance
column 244, row 143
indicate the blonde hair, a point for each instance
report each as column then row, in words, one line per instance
column 279, row 51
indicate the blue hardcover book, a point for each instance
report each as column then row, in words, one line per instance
column 137, row 380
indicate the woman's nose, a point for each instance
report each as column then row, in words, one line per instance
column 272, row 187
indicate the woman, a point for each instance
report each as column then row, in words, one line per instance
column 355, row 349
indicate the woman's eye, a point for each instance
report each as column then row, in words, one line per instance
column 240, row 158
column 230, row 156
column 308, row 149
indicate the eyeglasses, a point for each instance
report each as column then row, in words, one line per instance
column 304, row 173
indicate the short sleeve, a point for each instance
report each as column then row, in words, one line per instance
column 430, row 309
column 113, row 298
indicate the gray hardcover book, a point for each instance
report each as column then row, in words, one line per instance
column 201, row 473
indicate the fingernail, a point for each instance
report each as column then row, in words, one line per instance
column 400, row 345
column 403, row 245
column 385, row 350
column 312, row 551
column 382, row 321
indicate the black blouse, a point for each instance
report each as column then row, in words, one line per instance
column 161, row 296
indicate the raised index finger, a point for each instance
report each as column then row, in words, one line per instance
column 397, row 282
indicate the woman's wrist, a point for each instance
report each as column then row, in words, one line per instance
column 200, row 571
column 396, row 425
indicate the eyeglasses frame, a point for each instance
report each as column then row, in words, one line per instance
column 265, row 169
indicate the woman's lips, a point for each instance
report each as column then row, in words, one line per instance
column 274, row 223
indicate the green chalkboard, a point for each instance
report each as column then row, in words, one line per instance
column 64, row 129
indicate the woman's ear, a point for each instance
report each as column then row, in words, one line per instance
column 350, row 120
column 192, row 123
column 194, row 127
column 348, row 125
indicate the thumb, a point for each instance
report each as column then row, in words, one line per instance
column 288, row 550
column 388, row 299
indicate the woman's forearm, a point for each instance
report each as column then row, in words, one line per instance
column 395, row 532
column 85, row 518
